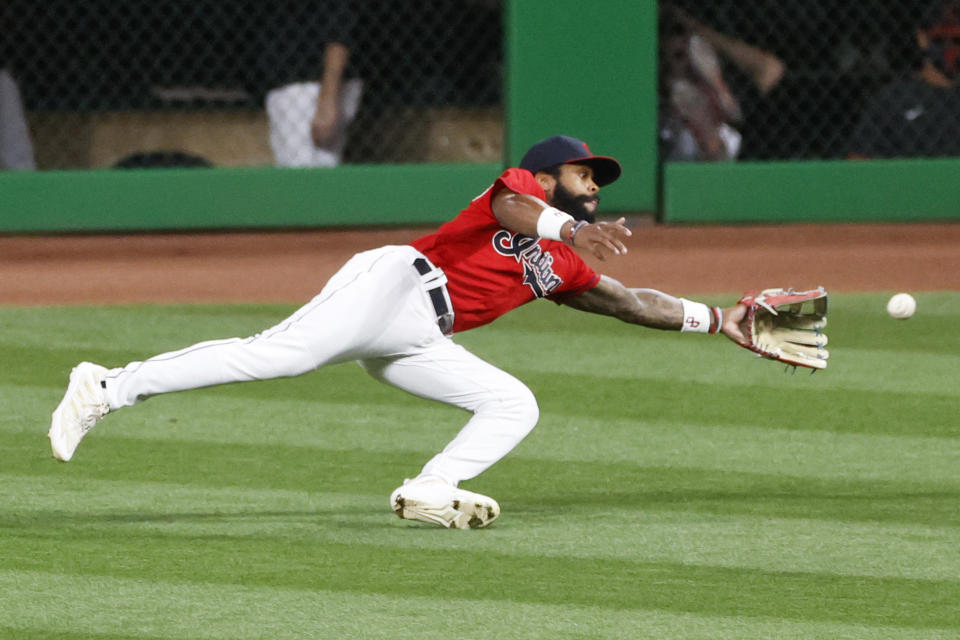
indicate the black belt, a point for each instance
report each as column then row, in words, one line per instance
column 438, row 296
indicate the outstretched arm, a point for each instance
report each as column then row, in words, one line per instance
column 649, row 308
column 521, row 212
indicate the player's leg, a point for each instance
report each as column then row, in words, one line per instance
column 355, row 315
column 504, row 412
column 337, row 325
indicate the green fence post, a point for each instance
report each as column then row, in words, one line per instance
column 587, row 69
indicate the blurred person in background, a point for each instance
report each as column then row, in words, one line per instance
column 305, row 64
column 698, row 112
column 918, row 114
column 16, row 148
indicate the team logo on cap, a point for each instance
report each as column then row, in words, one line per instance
column 537, row 264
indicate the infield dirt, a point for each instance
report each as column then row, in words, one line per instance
column 291, row 267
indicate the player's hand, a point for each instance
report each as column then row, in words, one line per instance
column 602, row 238
column 323, row 127
column 734, row 323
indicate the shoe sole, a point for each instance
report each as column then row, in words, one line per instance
column 478, row 513
column 467, row 513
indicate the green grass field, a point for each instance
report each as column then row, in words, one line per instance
column 676, row 487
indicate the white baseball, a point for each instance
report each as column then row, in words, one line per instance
column 901, row 306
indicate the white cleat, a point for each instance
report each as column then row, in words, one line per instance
column 433, row 500
column 84, row 404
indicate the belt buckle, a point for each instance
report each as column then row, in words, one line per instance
column 445, row 322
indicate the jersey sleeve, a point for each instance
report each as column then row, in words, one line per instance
column 518, row 181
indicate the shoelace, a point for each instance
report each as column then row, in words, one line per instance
column 90, row 411
column 92, row 415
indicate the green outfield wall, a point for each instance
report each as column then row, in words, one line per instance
column 584, row 69
column 163, row 199
column 587, row 69
column 829, row 191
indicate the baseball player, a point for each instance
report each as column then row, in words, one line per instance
column 394, row 310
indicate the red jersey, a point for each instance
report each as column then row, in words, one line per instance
column 491, row 270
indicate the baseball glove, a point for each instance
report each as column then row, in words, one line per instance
column 787, row 325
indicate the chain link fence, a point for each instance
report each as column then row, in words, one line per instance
column 132, row 83
column 763, row 79
column 107, row 83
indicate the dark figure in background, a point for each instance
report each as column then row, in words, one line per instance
column 16, row 148
column 918, row 114
column 699, row 114
column 304, row 68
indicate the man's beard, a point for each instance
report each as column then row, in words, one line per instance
column 574, row 205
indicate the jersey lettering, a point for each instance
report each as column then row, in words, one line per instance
column 537, row 264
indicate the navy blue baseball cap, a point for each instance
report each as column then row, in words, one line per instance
column 566, row 150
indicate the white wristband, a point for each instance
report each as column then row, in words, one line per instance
column 550, row 223
column 696, row 317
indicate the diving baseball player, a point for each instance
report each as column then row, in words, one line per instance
column 394, row 310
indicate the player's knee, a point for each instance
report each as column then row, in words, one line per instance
column 520, row 404
column 531, row 408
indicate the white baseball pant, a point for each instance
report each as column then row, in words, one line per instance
column 376, row 310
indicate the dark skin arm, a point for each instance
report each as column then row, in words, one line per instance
column 648, row 308
column 519, row 213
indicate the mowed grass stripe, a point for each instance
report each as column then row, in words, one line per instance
column 830, row 407
column 857, row 321
column 647, row 355
column 858, row 325
column 748, row 448
column 420, row 428
column 644, row 358
column 825, row 409
column 126, row 508
column 535, row 480
column 613, row 584
column 524, row 340
column 914, row 461
column 911, row 396
column 106, row 608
